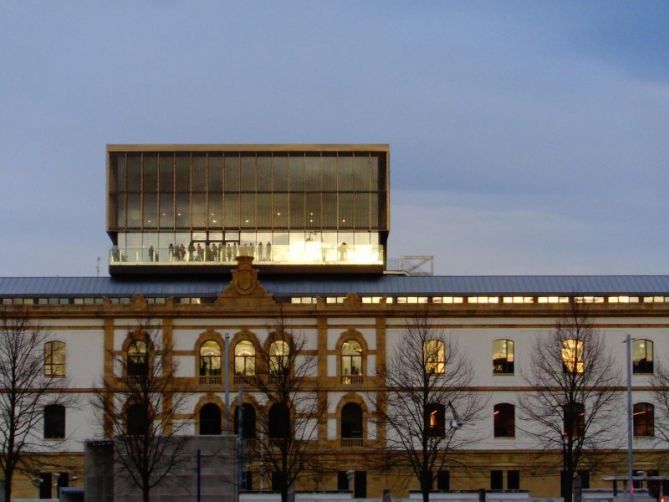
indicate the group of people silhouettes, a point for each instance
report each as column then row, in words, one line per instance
column 216, row 251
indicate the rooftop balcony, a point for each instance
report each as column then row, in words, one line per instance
column 313, row 257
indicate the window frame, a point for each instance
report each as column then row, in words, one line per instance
column 137, row 361
column 437, row 427
column 645, row 428
column 248, row 360
column 573, row 356
column 54, row 426
column 51, row 349
column 501, row 430
column 209, row 371
column 647, row 366
column 349, row 356
column 506, row 364
column 577, row 424
column 434, row 359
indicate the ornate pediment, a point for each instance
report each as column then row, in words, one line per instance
column 245, row 284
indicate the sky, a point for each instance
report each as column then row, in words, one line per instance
column 527, row 137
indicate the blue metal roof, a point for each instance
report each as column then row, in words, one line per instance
column 303, row 285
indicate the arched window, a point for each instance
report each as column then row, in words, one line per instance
column 435, row 420
column 137, row 359
column 504, row 420
column 54, row 359
column 54, row 421
column 248, row 413
column 572, row 356
column 279, row 422
column 574, row 419
column 137, row 420
column 434, row 356
column 351, row 362
column 502, row 357
column 210, row 419
column 278, row 356
column 245, row 359
column 210, row 362
column 644, row 420
column 642, row 356
column 351, row 421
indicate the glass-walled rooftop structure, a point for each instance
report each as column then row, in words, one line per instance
column 194, row 208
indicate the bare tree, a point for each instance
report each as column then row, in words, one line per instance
column 138, row 405
column 573, row 401
column 427, row 400
column 293, row 407
column 660, row 384
column 30, row 378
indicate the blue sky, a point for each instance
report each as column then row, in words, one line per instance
column 526, row 137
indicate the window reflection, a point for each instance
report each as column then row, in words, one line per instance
column 502, row 357
column 642, row 356
column 572, row 356
column 434, row 356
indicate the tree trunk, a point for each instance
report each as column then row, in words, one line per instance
column 8, row 487
column 146, row 494
column 284, row 494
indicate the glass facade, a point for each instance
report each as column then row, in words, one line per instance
column 307, row 206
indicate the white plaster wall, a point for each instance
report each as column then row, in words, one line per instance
column 332, row 365
column 371, row 365
column 332, row 428
column 185, row 366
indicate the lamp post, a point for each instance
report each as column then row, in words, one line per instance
column 227, row 380
column 630, row 450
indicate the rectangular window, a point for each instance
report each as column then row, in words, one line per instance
column 247, row 481
column 443, row 481
column 585, row 479
column 342, row 481
column 513, row 480
column 496, row 480
column 572, row 356
column 45, row 480
column 502, row 357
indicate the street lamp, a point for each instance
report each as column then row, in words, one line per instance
column 630, row 451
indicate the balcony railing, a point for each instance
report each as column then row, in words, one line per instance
column 351, row 379
column 351, row 442
column 244, row 379
column 307, row 253
column 210, row 380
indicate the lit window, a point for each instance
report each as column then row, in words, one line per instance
column 210, row 359
column 278, row 356
column 502, row 357
column 483, row 299
column 137, row 359
column 504, row 420
column 572, row 356
column 435, row 420
column 623, row 299
column 434, row 356
column 335, row 299
column 447, row 299
column 351, row 362
column 574, row 419
column 245, row 359
column 553, row 299
column 589, row 299
column 644, row 420
column 642, row 356
column 371, row 299
column 54, row 359
column 518, row 299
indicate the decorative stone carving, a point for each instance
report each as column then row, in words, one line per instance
column 244, row 284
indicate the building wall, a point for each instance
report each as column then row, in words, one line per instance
column 93, row 332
